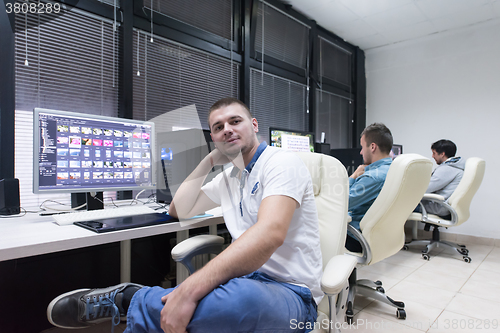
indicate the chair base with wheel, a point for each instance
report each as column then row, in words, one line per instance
column 368, row 288
column 371, row 289
column 435, row 242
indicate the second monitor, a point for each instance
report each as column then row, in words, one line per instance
column 291, row 140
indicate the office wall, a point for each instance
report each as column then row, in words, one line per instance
column 445, row 86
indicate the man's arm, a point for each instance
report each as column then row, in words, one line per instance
column 245, row 255
column 362, row 190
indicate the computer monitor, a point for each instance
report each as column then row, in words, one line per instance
column 180, row 153
column 396, row 151
column 76, row 152
column 291, row 140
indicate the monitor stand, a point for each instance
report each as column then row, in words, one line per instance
column 93, row 203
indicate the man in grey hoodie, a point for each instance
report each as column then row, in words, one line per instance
column 446, row 176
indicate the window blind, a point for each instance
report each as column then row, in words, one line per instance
column 334, row 118
column 280, row 36
column 169, row 76
column 214, row 16
column 335, row 62
column 72, row 65
column 111, row 2
column 277, row 102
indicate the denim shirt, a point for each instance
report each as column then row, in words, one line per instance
column 364, row 190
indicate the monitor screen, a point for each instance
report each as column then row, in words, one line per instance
column 291, row 140
column 180, row 153
column 396, row 151
column 76, row 152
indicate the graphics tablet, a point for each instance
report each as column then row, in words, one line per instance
column 126, row 222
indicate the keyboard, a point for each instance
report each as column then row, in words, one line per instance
column 82, row 216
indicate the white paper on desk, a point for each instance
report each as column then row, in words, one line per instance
column 194, row 219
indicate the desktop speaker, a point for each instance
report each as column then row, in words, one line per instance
column 9, row 196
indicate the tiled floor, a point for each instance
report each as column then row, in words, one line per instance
column 444, row 294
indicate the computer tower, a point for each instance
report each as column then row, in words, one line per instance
column 9, row 196
column 322, row 148
column 349, row 157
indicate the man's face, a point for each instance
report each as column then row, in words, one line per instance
column 366, row 151
column 439, row 158
column 232, row 130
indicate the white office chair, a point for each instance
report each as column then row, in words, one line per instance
column 382, row 228
column 458, row 206
column 331, row 189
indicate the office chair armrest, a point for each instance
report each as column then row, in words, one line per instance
column 336, row 273
column 366, row 257
column 441, row 201
column 432, row 196
column 189, row 248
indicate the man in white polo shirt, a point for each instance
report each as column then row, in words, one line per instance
column 269, row 275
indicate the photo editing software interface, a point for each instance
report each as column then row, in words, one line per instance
column 291, row 140
column 79, row 152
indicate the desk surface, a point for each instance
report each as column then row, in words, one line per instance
column 34, row 235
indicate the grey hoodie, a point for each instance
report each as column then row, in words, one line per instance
column 444, row 181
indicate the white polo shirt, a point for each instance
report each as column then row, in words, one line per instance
column 276, row 172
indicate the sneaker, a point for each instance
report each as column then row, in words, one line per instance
column 86, row 307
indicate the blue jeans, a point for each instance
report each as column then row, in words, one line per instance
column 252, row 303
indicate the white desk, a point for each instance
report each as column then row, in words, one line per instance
column 32, row 235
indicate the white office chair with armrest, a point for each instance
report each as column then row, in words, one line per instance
column 382, row 228
column 331, row 191
column 458, row 206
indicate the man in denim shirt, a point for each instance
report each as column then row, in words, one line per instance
column 367, row 181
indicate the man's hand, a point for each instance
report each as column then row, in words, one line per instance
column 359, row 171
column 218, row 158
column 177, row 312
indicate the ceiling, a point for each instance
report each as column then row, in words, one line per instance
column 374, row 23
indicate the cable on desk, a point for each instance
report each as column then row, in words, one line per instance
column 112, row 201
column 60, row 203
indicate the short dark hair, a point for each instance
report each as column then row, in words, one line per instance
column 445, row 146
column 379, row 134
column 221, row 103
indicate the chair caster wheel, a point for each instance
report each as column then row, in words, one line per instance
column 401, row 314
column 463, row 251
column 381, row 290
column 467, row 259
column 425, row 256
column 378, row 283
column 405, row 247
column 349, row 316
